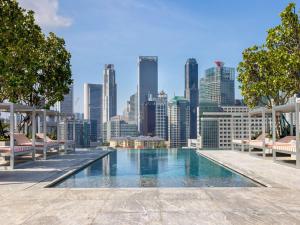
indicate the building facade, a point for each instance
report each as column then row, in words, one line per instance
column 117, row 127
column 130, row 112
column 161, row 115
column 191, row 93
column 109, row 92
column 147, row 83
column 178, row 122
column 149, row 118
column 218, row 85
column 92, row 107
column 82, row 134
column 219, row 128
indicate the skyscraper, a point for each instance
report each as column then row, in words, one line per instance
column 148, row 123
column 66, row 106
column 130, row 111
column 161, row 115
column 92, row 104
column 218, row 85
column 179, row 122
column 147, row 83
column 109, row 92
column 191, row 93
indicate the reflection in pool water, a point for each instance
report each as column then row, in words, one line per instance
column 155, row 168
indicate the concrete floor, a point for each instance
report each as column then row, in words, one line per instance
column 277, row 204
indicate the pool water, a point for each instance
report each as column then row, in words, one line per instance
column 155, row 168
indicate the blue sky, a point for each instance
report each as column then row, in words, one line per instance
column 98, row 32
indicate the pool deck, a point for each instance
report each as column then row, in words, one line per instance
column 25, row 201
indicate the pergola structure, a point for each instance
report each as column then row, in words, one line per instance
column 13, row 150
column 291, row 148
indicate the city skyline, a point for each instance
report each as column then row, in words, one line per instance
column 171, row 30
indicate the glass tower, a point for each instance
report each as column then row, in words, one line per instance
column 109, row 92
column 147, row 83
column 191, row 93
column 92, row 104
column 217, row 85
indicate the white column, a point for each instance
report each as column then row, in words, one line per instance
column 264, row 132
column 12, row 139
column 58, row 131
column 273, row 130
column 242, row 134
column 249, row 130
column 33, row 120
column 45, row 133
column 232, row 132
column 297, row 135
column 65, row 134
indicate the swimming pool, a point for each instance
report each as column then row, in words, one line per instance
column 154, row 168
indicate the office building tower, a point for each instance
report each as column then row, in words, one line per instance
column 218, row 85
column 82, row 133
column 92, row 104
column 117, row 127
column 109, row 92
column 147, row 83
column 148, row 122
column 130, row 112
column 161, row 115
column 191, row 93
column 66, row 105
column 179, row 122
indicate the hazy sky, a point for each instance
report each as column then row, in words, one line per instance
column 99, row 32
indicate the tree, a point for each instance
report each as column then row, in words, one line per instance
column 34, row 70
column 270, row 72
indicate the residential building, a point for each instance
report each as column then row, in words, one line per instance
column 217, row 127
column 147, row 83
column 117, row 127
column 178, row 122
column 161, row 115
column 218, row 85
column 109, row 92
column 191, row 93
column 92, row 106
column 149, row 121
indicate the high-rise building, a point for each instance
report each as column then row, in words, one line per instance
column 179, row 122
column 66, row 106
column 92, row 103
column 161, row 115
column 109, row 92
column 191, row 93
column 148, row 122
column 218, row 85
column 130, row 112
column 147, row 83
column 82, row 133
column 116, row 127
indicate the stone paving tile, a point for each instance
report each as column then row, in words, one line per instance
column 128, row 219
column 261, row 218
column 194, row 218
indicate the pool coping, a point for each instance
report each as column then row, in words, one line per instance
column 258, row 182
column 254, row 179
column 75, row 170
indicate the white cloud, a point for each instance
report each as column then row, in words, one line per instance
column 46, row 13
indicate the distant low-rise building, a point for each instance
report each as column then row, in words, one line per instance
column 141, row 142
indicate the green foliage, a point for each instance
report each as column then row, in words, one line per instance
column 4, row 131
column 34, row 69
column 271, row 71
